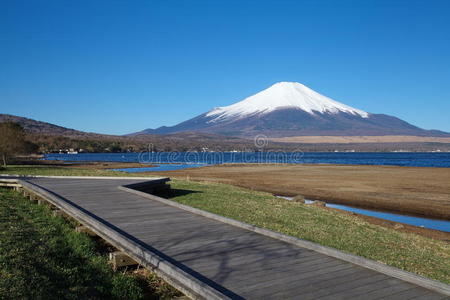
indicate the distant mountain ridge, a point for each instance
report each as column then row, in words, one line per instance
column 291, row 109
column 39, row 127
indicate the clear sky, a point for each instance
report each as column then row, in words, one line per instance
column 123, row 66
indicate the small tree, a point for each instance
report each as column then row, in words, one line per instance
column 12, row 140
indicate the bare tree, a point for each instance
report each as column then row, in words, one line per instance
column 12, row 140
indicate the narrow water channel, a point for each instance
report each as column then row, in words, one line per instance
column 416, row 221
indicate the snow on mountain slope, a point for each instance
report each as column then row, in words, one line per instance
column 289, row 109
column 283, row 95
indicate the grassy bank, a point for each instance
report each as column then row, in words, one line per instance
column 411, row 252
column 58, row 171
column 42, row 257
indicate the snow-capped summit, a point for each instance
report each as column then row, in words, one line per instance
column 288, row 109
column 283, row 95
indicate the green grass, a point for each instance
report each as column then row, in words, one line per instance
column 414, row 253
column 59, row 171
column 42, row 257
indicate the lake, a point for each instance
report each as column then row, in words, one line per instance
column 441, row 160
column 161, row 168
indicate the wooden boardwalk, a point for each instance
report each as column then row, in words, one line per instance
column 211, row 259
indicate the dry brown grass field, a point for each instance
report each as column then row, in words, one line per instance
column 361, row 139
column 417, row 191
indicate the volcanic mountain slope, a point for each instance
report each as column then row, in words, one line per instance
column 292, row 109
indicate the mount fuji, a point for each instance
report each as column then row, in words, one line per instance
column 288, row 109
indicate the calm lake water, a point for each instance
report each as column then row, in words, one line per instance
column 357, row 158
column 161, row 167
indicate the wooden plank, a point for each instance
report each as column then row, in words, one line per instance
column 191, row 225
column 320, row 281
column 359, row 287
column 235, row 259
column 429, row 296
column 393, row 292
column 120, row 259
column 135, row 216
column 6, row 184
column 266, row 252
column 294, row 277
column 282, row 278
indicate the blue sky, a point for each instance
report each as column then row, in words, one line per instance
column 123, row 66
